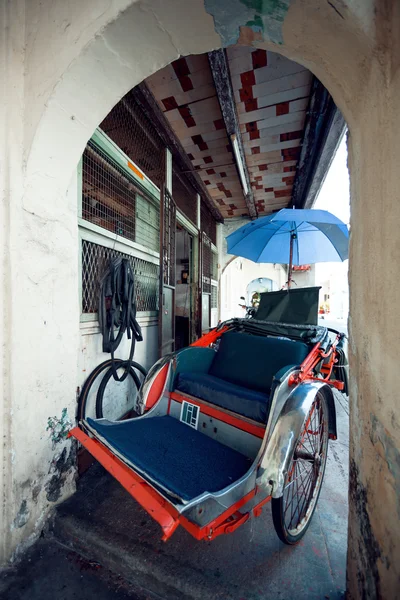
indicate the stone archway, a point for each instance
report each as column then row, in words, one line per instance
column 93, row 56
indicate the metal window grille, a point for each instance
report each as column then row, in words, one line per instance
column 130, row 128
column 185, row 196
column 214, row 296
column 206, row 263
column 168, row 251
column 95, row 260
column 110, row 200
column 214, row 266
column 208, row 223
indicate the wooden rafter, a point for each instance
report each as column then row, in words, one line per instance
column 222, row 81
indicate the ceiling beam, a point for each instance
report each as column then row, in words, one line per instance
column 223, row 85
column 323, row 131
column 148, row 103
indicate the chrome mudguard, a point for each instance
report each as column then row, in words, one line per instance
column 148, row 382
column 282, row 438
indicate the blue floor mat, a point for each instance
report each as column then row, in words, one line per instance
column 173, row 455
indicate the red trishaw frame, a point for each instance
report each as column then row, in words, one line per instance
column 161, row 509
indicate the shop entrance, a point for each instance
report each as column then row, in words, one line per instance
column 184, row 289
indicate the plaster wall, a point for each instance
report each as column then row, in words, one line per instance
column 235, row 279
column 91, row 355
column 63, row 75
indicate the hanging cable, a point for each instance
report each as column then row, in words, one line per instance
column 117, row 311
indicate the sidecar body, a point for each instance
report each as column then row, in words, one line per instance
column 225, row 426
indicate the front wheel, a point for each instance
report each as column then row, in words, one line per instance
column 293, row 511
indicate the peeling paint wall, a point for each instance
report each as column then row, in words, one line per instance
column 67, row 65
column 247, row 21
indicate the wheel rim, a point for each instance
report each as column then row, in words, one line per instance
column 306, row 470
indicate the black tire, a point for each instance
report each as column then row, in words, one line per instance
column 290, row 528
column 106, row 378
column 107, row 364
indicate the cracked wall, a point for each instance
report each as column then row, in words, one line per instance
column 68, row 64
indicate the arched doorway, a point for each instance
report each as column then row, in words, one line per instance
column 349, row 48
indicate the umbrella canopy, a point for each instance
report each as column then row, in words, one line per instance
column 292, row 236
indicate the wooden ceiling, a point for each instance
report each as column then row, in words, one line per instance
column 271, row 95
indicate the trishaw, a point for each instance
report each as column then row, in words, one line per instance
column 241, row 417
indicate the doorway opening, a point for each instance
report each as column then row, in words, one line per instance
column 184, row 289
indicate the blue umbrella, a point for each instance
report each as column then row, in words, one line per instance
column 292, row 236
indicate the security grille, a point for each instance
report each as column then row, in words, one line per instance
column 130, row 128
column 95, row 260
column 214, row 296
column 112, row 201
column 168, row 250
column 206, row 263
column 214, row 266
column 185, row 196
column 208, row 223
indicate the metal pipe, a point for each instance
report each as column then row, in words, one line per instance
column 292, row 238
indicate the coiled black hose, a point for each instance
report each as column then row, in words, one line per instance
column 117, row 315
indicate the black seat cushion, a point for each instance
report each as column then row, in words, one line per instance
column 251, row 361
column 176, row 457
column 246, row 402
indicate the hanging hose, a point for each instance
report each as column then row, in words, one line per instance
column 117, row 311
column 117, row 315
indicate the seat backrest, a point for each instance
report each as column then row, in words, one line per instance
column 252, row 360
column 299, row 306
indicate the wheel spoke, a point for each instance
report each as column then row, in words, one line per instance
column 306, row 469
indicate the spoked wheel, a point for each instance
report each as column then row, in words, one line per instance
column 292, row 512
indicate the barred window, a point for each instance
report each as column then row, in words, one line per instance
column 130, row 128
column 214, row 266
column 206, row 263
column 214, row 296
column 95, row 260
column 184, row 195
column 208, row 223
column 112, row 201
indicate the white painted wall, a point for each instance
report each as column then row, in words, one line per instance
column 235, row 279
column 91, row 355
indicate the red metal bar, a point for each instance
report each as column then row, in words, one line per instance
column 157, row 507
column 157, row 387
column 209, row 338
column 257, row 509
column 311, row 361
column 224, row 519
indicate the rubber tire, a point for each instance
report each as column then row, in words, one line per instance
column 106, row 378
column 83, row 396
column 277, row 503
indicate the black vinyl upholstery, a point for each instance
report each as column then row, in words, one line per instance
column 241, row 400
column 241, row 374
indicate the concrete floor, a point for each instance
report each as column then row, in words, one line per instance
column 105, row 525
column 49, row 571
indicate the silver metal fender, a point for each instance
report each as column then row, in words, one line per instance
column 279, row 449
column 149, row 381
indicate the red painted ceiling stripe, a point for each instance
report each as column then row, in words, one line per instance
column 259, row 58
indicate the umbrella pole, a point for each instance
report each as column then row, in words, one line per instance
column 292, row 237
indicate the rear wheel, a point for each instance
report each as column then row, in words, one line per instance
column 292, row 512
